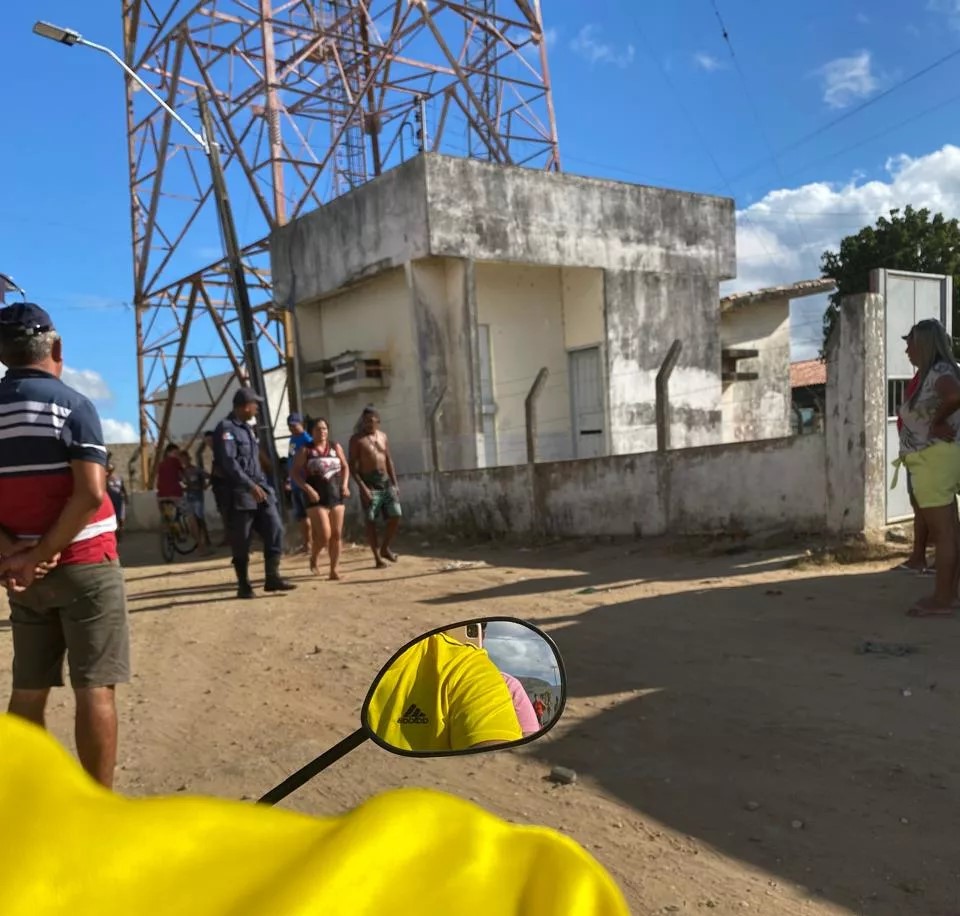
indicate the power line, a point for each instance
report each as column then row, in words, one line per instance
column 756, row 112
column 694, row 126
column 888, row 130
column 829, row 125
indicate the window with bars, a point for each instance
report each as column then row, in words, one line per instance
column 896, row 390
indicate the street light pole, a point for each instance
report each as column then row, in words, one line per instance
column 241, row 295
column 228, row 229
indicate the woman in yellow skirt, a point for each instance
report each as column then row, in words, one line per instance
column 931, row 453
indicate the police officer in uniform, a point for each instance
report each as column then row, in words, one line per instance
column 251, row 502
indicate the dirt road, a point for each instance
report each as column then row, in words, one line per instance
column 736, row 752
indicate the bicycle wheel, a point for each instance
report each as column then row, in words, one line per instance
column 184, row 543
column 167, row 546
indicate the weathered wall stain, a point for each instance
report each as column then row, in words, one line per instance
column 779, row 483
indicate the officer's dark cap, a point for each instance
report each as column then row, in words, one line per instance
column 246, row 396
column 24, row 319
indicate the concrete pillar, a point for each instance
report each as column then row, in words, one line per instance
column 444, row 310
column 856, row 418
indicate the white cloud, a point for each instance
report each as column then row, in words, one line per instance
column 949, row 8
column 117, row 432
column 550, row 36
column 88, row 382
column 847, row 79
column 708, row 62
column 587, row 45
column 780, row 238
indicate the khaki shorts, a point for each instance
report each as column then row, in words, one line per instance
column 75, row 611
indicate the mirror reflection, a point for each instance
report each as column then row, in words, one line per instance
column 483, row 684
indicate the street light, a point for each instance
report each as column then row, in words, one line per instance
column 55, row 33
column 71, row 37
column 228, row 227
column 7, row 285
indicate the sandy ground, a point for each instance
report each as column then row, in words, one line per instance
column 736, row 752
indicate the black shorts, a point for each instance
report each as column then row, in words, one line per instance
column 330, row 492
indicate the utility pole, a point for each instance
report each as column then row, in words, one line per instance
column 241, row 295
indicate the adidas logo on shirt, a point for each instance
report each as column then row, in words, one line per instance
column 413, row 716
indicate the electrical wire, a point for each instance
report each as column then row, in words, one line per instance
column 748, row 95
column 852, row 112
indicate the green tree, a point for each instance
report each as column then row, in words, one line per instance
column 911, row 240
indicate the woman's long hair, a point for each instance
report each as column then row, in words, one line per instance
column 931, row 345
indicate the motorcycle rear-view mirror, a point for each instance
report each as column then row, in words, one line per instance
column 467, row 688
column 464, row 688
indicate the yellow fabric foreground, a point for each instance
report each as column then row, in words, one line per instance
column 68, row 846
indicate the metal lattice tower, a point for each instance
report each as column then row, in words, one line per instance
column 310, row 98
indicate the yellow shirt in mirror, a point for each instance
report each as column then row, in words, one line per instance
column 442, row 695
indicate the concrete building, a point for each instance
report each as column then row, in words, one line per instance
column 193, row 412
column 755, row 335
column 454, row 282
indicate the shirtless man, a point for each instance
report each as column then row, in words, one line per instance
column 372, row 467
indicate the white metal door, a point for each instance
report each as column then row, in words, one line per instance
column 908, row 298
column 586, row 385
column 488, row 406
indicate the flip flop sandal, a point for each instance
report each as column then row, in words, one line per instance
column 919, row 610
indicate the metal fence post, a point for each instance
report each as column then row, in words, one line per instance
column 434, row 442
column 663, row 396
column 530, row 408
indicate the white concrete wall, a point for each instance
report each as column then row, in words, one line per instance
column 582, row 296
column 454, row 207
column 645, row 313
column 194, row 401
column 742, row 487
column 758, row 409
column 523, row 307
column 375, row 315
column 444, row 326
column 487, row 212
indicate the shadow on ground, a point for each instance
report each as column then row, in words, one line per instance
column 749, row 717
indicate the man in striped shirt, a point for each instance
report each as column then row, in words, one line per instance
column 54, row 502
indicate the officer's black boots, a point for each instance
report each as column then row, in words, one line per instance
column 244, row 588
column 273, row 581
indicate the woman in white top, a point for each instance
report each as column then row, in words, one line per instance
column 322, row 472
column 929, row 449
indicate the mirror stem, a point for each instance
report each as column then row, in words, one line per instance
column 306, row 773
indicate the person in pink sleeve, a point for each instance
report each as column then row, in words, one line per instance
column 521, row 704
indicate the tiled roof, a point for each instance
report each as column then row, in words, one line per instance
column 808, row 373
column 789, row 291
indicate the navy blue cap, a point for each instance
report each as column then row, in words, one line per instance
column 246, row 396
column 24, row 319
column 294, row 418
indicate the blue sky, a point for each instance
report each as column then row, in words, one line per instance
column 644, row 92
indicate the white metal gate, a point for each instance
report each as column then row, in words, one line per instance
column 908, row 298
column 586, row 388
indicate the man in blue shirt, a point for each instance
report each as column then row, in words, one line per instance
column 299, row 437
